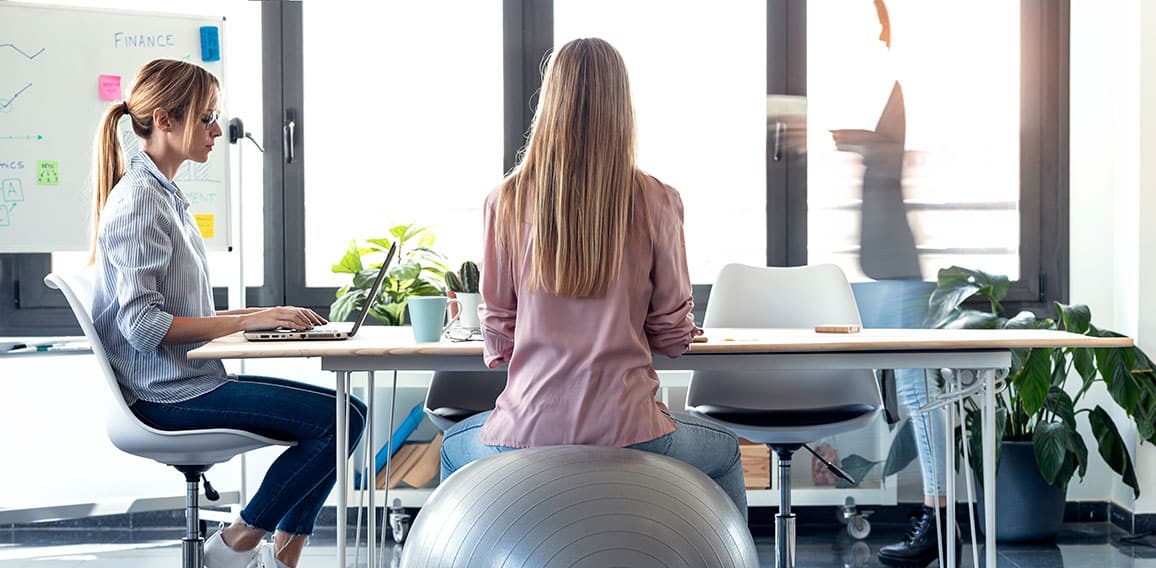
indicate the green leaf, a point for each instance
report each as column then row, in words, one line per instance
column 380, row 245
column 1076, row 317
column 1051, row 444
column 407, row 270
column 1077, row 447
column 1085, row 363
column 423, row 288
column 1112, row 447
column 1059, row 403
column 857, row 467
column 903, row 449
column 971, row 319
column 1033, row 382
column 1115, row 366
column 1059, row 367
column 350, row 263
column 955, row 285
column 427, row 239
column 345, row 305
column 399, row 232
column 1019, row 357
column 975, row 433
column 1027, row 321
column 364, row 278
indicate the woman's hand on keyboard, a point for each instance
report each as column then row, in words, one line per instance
column 289, row 317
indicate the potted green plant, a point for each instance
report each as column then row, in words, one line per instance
column 464, row 285
column 417, row 271
column 1040, row 449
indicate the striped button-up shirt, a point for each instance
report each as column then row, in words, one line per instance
column 151, row 267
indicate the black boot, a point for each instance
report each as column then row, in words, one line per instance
column 919, row 546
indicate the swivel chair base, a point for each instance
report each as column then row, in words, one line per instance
column 193, row 544
column 785, row 519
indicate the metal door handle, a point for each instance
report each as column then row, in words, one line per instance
column 780, row 130
column 287, row 136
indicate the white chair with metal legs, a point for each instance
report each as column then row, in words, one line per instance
column 192, row 452
column 784, row 409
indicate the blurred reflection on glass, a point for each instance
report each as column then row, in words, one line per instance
column 886, row 245
column 913, row 148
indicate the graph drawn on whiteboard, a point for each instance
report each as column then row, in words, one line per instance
column 17, row 49
column 6, row 104
column 55, row 88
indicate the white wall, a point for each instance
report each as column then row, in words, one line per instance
column 1113, row 193
column 1146, row 241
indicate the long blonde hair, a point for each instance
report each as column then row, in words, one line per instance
column 574, row 186
column 176, row 87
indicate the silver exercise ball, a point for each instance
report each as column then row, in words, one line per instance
column 579, row 506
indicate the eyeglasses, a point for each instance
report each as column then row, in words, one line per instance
column 457, row 334
column 210, row 119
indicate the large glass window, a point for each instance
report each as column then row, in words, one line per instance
column 698, row 76
column 407, row 130
column 914, row 149
column 417, row 130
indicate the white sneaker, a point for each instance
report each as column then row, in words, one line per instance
column 219, row 555
column 266, row 557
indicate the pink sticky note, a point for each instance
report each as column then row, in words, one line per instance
column 110, row 88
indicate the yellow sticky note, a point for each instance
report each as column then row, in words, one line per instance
column 205, row 222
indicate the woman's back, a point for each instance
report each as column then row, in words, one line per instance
column 580, row 367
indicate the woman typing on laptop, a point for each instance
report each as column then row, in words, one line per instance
column 153, row 304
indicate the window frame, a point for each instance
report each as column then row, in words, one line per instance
column 27, row 308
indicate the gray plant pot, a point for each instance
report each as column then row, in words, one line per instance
column 1027, row 509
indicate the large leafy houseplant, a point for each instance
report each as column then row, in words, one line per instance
column 1037, row 405
column 417, row 270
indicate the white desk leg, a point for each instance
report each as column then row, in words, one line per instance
column 342, row 465
column 988, row 377
column 389, row 458
column 951, row 385
column 370, row 477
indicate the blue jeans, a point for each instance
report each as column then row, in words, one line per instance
column 711, row 449
column 300, row 479
column 903, row 304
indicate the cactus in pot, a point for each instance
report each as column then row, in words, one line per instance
column 465, row 280
column 464, row 285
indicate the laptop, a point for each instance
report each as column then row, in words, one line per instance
column 332, row 330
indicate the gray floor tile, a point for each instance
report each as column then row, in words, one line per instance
column 1096, row 545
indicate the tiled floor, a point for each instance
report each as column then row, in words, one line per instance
column 1092, row 545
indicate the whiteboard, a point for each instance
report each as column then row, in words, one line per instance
column 58, row 65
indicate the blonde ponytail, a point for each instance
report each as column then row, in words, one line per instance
column 110, row 165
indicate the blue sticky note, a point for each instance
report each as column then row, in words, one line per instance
column 210, row 43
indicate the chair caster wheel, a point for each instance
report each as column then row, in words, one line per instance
column 858, row 527
column 399, row 521
column 856, row 520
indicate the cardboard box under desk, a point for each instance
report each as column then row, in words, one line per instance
column 756, row 464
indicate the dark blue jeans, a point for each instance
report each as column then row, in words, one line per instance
column 711, row 449
column 300, row 479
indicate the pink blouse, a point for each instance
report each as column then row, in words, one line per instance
column 580, row 370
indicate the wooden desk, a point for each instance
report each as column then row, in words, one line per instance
column 393, row 348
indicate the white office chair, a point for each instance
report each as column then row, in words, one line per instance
column 192, row 452
column 783, row 409
column 454, row 396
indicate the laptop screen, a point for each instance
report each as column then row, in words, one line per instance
column 372, row 297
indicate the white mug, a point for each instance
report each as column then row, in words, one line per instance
column 468, row 309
